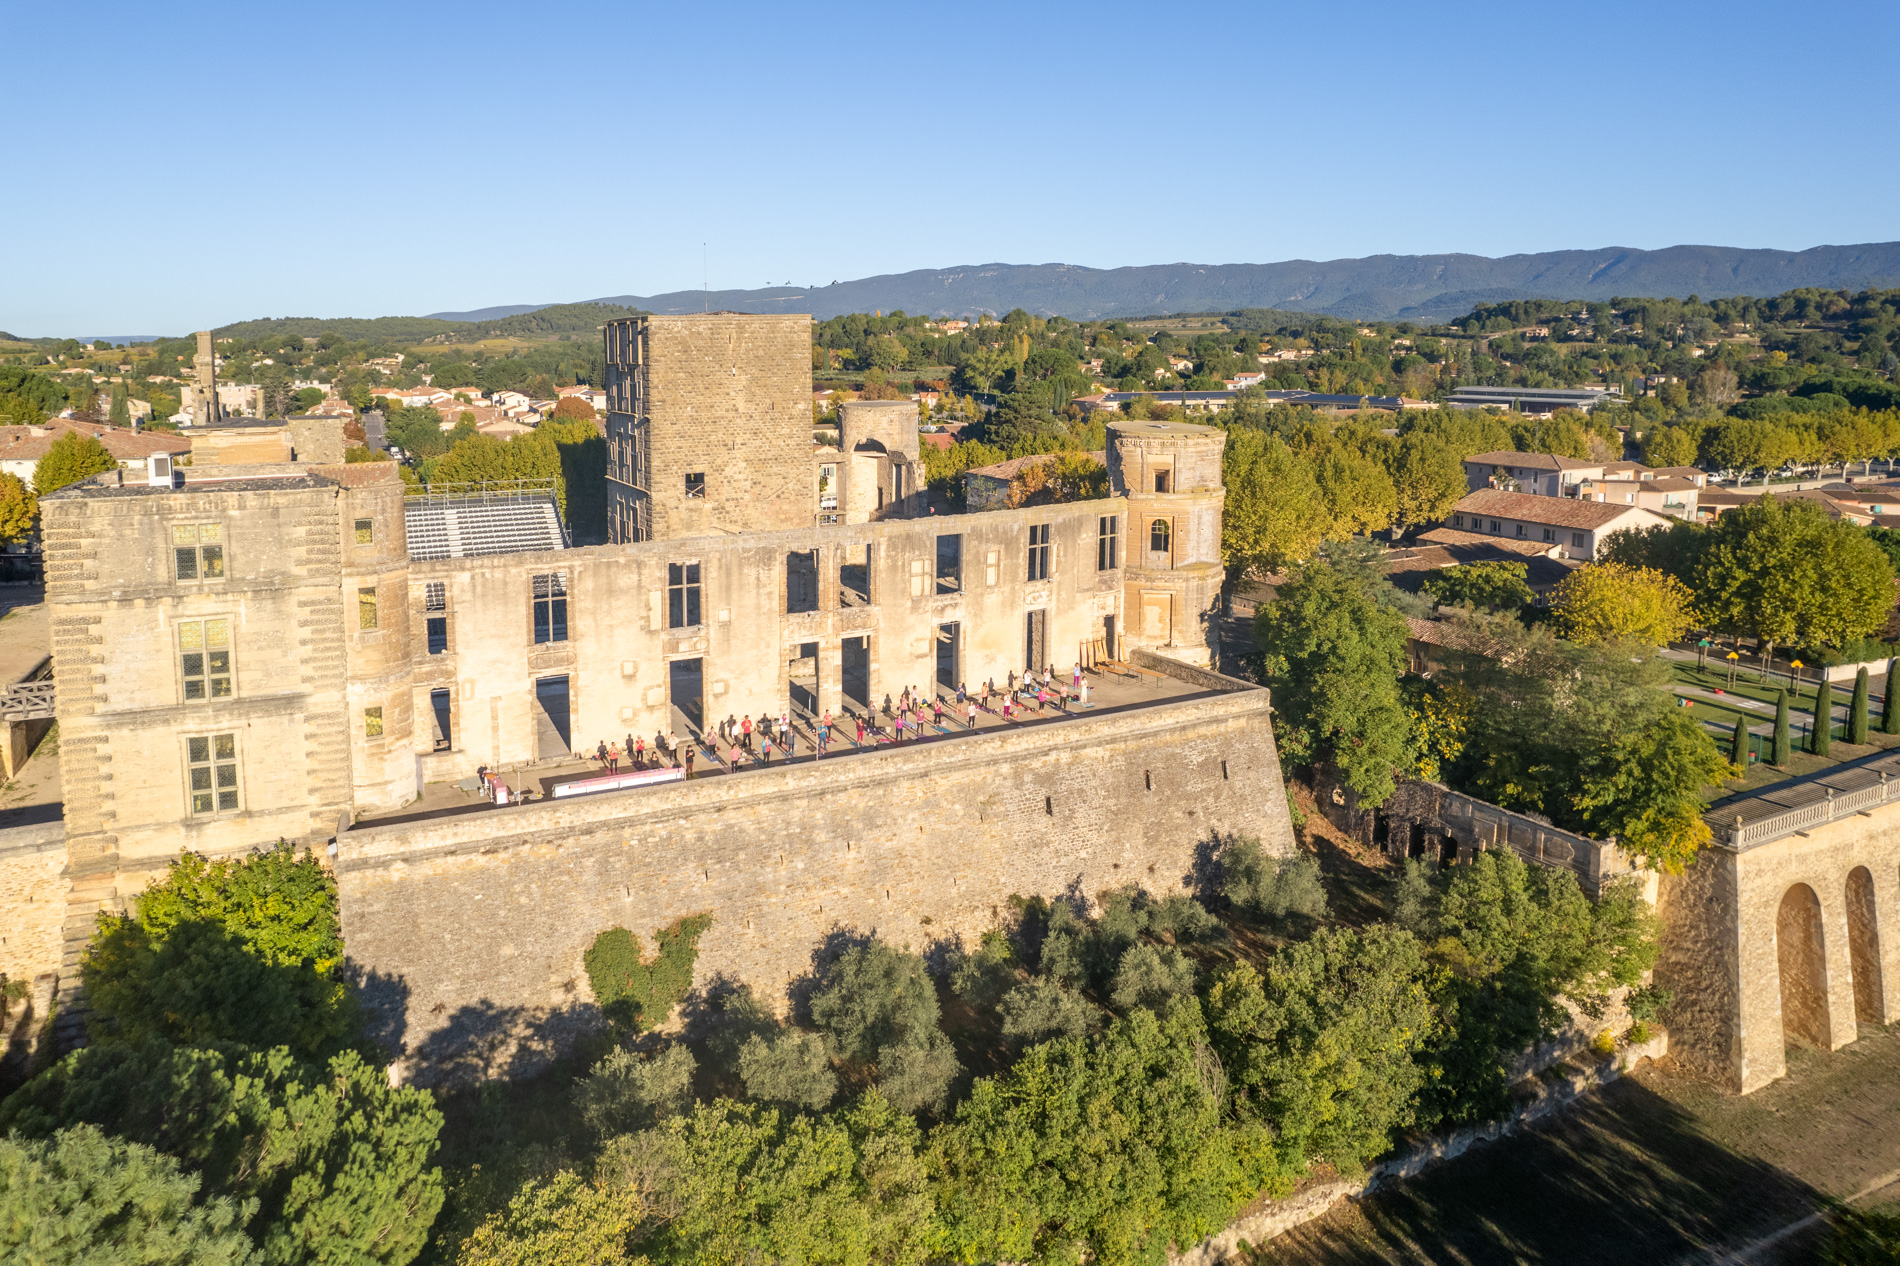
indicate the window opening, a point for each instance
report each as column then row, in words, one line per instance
column 198, row 551
column 682, row 595
column 550, row 607
column 1039, row 551
column 211, row 773
column 950, row 564
column 696, row 484
column 373, row 722
column 365, row 608
column 1158, row 536
column 1108, row 542
column 204, row 654
column 365, row 531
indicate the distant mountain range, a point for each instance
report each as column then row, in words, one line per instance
column 1422, row 288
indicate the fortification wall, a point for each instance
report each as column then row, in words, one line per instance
column 470, row 930
column 33, row 896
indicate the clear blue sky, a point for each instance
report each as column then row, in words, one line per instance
column 178, row 166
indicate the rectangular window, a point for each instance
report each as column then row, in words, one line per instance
column 949, row 564
column 1494, row 525
column 365, row 531
column 550, row 607
column 435, row 596
column 1162, row 478
column 696, row 484
column 1108, row 542
column 204, row 656
column 365, row 608
column 198, row 551
column 1577, row 540
column 682, row 595
column 1550, row 534
column 1457, row 520
column 1039, row 551
column 438, row 628
column 211, row 773
column 1520, row 529
column 372, row 722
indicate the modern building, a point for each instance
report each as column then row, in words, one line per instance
column 1532, row 399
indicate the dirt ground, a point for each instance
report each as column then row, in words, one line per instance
column 1657, row 1167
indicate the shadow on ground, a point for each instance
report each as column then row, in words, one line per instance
column 1626, row 1176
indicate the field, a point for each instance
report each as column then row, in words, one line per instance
column 1655, row 1168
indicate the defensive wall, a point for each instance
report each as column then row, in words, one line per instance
column 470, row 930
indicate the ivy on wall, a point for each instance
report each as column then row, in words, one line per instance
column 634, row 991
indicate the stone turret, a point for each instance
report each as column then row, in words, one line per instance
column 204, row 366
column 881, row 465
column 1171, row 474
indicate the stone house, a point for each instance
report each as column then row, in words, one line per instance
column 1578, row 528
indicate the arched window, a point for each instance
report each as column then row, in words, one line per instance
column 1158, row 536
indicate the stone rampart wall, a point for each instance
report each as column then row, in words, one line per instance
column 470, row 929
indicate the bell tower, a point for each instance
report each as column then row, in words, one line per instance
column 1171, row 474
column 204, row 401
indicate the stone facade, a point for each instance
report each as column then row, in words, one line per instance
column 1790, row 939
column 708, row 425
column 476, row 925
column 1171, row 475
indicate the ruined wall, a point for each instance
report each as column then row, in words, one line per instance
column 619, row 645
column 473, row 927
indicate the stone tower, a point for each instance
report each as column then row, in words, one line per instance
column 204, row 400
column 882, row 462
column 1171, row 474
column 708, row 425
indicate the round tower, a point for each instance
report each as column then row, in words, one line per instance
column 880, row 466
column 1171, row 573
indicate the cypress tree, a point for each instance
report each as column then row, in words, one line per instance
column 1783, row 748
column 1857, row 713
column 1890, row 715
column 1823, row 716
column 1738, row 748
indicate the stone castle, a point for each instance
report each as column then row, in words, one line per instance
column 259, row 649
column 272, row 644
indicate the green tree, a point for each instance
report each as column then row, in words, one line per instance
column 1323, row 1046
column 1889, row 714
column 83, row 1199
column 1738, row 745
column 748, row 1183
column 562, row 1221
column 241, row 950
column 333, row 1158
column 1648, row 793
column 1669, row 446
column 1357, row 490
column 1857, row 711
column 1784, row 749
column 1428, row 478
column 72, row 457
column 790, row 1069
column 1041, row 1010
column 626, row 1092
column 1334, row 658
column 1610, row 603
column 1822, row 740
column 119, row 413
column 1487, row 586
column 19, row 509
column 1274, row 514
column 1105, row 1150
column 1271, row 887
column 1783, row 572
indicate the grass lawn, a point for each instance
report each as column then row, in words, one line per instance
column 1657, row 1167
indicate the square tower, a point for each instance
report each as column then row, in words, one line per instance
column 708, row 425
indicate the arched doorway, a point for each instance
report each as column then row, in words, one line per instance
column 1801, row 956
column 1863, row 944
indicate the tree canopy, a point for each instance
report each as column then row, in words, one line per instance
column 72, row 457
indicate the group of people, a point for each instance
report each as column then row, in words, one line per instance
column 636, row 753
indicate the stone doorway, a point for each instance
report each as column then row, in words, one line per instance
column 553, row 717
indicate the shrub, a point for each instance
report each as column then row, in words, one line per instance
column 915, row 1074
column 1647, row 1004
column 625, row 1092
column 1604, row 1043
column 81, row 1198
column 637, row 993
column 1150, row 977
column 1870, row 1238
column 1414, row 901
column 1638, row 1033
column 1271, row 887
column 790, row 1069
column 983, row 977
column 1043, row 1010
column 874, row 996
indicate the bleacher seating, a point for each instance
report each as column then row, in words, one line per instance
column 466, row 527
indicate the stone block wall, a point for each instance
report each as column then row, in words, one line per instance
column 472, row 928
column 33, row 899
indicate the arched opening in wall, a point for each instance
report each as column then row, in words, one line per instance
column 1160, row 532
column 1863, row 945
column 1800, row 955
column 1448, row 851
column 1415, row 847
